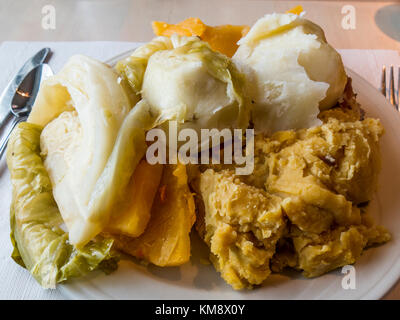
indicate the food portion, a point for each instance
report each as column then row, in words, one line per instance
column 132, row 68
column 300, row 206
column 242, row 225
column 187, row 82
column 91, row 142
column 292, row 72
column 166, row 241
column 317, row 254
column 40, row 243
column 337, row 157
column 196, row 86
column 85, row 193
column 222, row 38
column 132, row 213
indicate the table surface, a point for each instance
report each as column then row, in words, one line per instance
column 377, row 27
column 377, row 24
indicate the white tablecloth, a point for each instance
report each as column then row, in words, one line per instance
column 16, row 282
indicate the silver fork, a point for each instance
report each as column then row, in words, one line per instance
column 391, row 90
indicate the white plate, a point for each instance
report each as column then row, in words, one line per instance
column 376, row 272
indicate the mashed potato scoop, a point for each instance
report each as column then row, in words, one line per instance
column 292, row 72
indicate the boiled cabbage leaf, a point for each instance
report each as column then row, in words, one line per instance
column 196, row 86
column 133, row 67
column 93, row 138
column 40, row 244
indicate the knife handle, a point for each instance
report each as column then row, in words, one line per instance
column 4, row 142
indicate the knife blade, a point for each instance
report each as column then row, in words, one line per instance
column 21, row 104
column 9, row 92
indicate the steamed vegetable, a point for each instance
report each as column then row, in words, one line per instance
column 295, row 10
column 131, row 215
column 291, row 71
column 84, row 84
column 40, row 244
column 196, row 86
column 133, row 67
column 166, row 240
column 91, row 142
column 222, row 38
column 183, row 79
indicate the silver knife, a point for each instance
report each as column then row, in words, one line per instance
column 9, row 92
column 23, row 100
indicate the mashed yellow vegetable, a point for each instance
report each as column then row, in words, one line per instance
column 241, row 244
column 301, row 207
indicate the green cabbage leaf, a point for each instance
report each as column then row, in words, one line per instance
column 40, row 243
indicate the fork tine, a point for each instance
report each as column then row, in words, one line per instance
column 383, row 81
column 392, row 94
